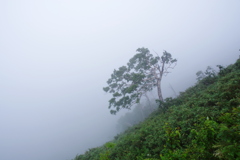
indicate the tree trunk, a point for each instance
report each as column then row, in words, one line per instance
column 142, row 112
column 161, row 71
column 175, row 94
column 159, row 90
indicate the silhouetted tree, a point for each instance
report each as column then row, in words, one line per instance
column 142, row 73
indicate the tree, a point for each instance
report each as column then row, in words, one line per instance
column 138, row 114
column 208, row 77
column 210, row 72
column 142, row 73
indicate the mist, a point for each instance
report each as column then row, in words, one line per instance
column 56, row 56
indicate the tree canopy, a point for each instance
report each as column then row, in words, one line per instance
column 142, row 73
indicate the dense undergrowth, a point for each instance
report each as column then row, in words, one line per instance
column 201, row 123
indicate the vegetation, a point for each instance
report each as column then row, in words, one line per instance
column 142, row 73
column 201, row 123
column 137, row 115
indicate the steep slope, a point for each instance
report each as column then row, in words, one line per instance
column 201, row 123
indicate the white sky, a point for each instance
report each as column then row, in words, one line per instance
column 56, row 56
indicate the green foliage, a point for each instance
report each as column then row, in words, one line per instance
column 208, row 77
column 142, row 73
column 137, row 115
column 201, row 123
column 105, row 155
column 210, row 139
column 231, row 68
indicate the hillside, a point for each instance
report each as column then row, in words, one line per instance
column 201, row 123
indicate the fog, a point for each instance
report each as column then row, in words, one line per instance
column 56, row 56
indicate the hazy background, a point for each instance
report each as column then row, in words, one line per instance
column 56, row 55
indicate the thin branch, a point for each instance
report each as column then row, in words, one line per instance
column 156, row 53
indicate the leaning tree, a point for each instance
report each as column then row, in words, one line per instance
column 143, row 72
